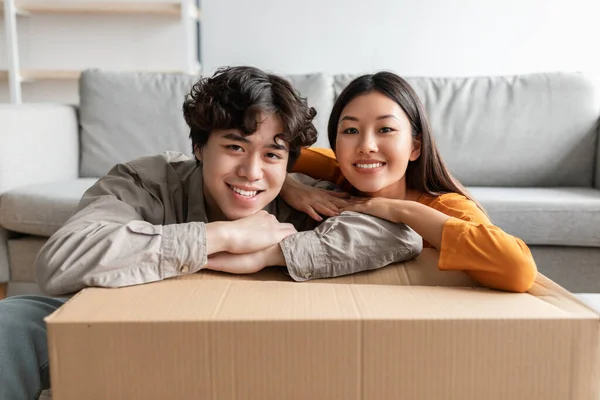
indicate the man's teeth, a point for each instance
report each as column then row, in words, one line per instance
column 376, row 165
column 244, row 193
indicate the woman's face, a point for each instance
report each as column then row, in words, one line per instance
column 374, row 145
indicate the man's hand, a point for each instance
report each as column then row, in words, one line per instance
column 246, row 263
column 247, row 235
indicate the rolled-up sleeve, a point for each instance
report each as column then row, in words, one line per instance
column 346, row 244
column 114, row 239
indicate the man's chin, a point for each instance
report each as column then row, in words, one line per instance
column 234, row 209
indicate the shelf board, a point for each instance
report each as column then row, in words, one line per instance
column 31, row 75
column 52, row 75
column 80, row 7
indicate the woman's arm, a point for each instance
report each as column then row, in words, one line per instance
column 465, row 237
column 426, row 221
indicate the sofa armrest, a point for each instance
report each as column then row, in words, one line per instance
column 4, row 268
column 597, row 172
column 39, row 143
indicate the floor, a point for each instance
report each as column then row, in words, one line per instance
column 591, row 299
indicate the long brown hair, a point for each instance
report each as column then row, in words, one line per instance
column 428, row 173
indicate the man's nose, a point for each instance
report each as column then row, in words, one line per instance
column 251, row 168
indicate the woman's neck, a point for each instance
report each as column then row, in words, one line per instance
column 397, row 191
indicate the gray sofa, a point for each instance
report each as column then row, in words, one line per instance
column 526, row 146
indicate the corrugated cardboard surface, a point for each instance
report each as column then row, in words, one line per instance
column 402, row 332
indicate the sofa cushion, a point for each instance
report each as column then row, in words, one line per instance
column 125, row 115
column 318, row 90
column 41, row 209
column 577, row 269
column 545, row 216
column 526, row 130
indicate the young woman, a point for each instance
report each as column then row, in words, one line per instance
column 384, row 155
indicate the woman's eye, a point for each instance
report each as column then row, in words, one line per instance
column 350, row 131
column 386, row 130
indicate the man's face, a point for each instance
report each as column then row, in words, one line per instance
column 242, row 174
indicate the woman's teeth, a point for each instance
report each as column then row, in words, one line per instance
column 376, row 165
column 244, row 193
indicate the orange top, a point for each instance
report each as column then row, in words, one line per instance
column 470, row 242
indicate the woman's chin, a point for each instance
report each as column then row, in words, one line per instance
column 368, row 188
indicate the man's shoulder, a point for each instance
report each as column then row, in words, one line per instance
column 161, row 167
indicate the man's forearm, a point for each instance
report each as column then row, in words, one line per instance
column 217, row 237
column 85, row 252
column 349, row 243
column 275, row 256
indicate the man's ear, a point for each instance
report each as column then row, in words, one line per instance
column 198, row 152
column 416, row 149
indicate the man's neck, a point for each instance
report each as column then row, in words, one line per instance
column 213, row 212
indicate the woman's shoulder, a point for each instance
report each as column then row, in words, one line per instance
column 319, row 152
column 445, row 198
column 455, row 205
column 319, row 163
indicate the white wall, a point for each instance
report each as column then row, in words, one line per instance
column 75, row 42
column 411, row 37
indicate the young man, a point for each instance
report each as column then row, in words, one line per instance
column 168, row 215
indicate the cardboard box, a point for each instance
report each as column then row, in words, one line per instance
column 406, row 331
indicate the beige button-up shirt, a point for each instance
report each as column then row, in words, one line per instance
column 146, row 221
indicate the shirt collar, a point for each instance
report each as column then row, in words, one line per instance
column 196, row 206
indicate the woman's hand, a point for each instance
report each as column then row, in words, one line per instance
column 426, row 221
column 377, row 206
column 313, row 201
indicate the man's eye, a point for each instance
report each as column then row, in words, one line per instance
column 234, row 147
column 351, row 131
column 274, row 156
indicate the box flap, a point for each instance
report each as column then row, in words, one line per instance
column 199, row 300
column 420, row 271
column 264, row 336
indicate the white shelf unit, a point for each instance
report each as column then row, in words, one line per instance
column 187, row 11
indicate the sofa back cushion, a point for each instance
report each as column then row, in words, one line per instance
column 125, row 115
column 528, row 130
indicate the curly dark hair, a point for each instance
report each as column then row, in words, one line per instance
column 234, row 96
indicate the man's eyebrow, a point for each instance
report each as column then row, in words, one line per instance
column 277, row 146
column 349, row 117
column 236, row 138
column 239, row 138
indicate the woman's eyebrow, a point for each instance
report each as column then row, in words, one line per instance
column 388, row 116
